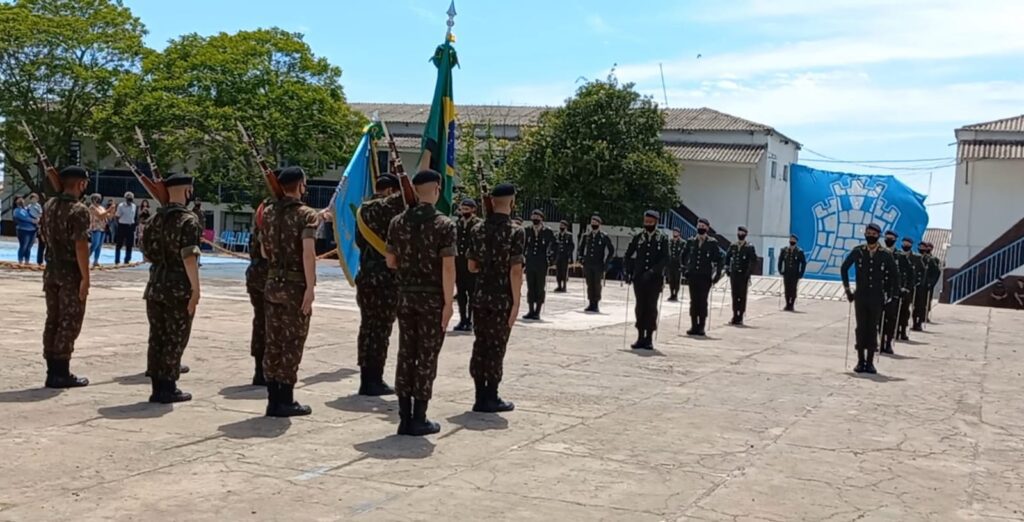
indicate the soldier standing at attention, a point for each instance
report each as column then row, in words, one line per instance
column 421, row 247
column 892, row 309
column 910, row 267
column 675, row 264
column 792, row 264
column 376, row 291
column 933, row 272
column 564, row 246
column 496, row 256
column 255, row 281
column 540, row 248
column 703, row 260
column 289, row 242
column 596, row 251
column 64, row 226
column 926, row 281
column 171, row 244
column 877, row 284
column 739, row 260
column 465, row 281
column 647, row 272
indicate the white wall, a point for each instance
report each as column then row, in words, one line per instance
column 987, row 200
column 719, row 193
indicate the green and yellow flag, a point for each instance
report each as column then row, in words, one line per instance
column 439, row 135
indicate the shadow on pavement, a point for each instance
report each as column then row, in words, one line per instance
column 396, row 447
column 876, row 378
column 361, row 404
column 480, row 421
column 256, row 428
column 243, row 392
column 30, row 395
column 335, row 376
column 644, row 353
column 899, row 357
column 139, row 410
column 138, row 378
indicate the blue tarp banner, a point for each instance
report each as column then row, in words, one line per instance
column 355, row 186
column 830, row 210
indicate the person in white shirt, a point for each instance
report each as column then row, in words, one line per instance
column 125, row 235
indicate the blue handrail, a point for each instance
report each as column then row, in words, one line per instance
column 986, row 270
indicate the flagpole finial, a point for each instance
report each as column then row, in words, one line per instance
column 451, row 17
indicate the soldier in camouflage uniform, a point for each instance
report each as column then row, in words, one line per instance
column 376, row 291
column 739, row 262
column 564, row 247
column 647, row 273
column 171, row 244
column 877, row 285
column 289, row 242
column 421, row 247
column 255, row 282
column 674, row 271
column 792, row 263
column 65, row 228
column 703, row 261
column 595, row 252
column 540, row 250
column 496, row 255
column 465, row 281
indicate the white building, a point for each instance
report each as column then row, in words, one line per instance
column 988, row 207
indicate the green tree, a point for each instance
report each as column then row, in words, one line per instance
column 601, row 152
column 59, row 61
column 487, row 150
column 189, row 97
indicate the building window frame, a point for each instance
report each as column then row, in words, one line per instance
column 785, row 173
column 774, row 169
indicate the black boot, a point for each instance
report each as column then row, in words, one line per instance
column 869, row 366
column 480, row 404
column 649, row 340
column 887, row 345
column 861, row 366
column 639, row 340
column 672, row 298
column 536, row 312
column 903, row 334
column 596, row 308
column 165, row 391
column 917, row 326
column 420, row 425
column 701, row 325
column 592, row 307
column 496, row 404
column 404, row 415
column 257, row 374
column 693, row 326
column 371, row 382
column 529, row 314
column 59, row 376
column 285, row 405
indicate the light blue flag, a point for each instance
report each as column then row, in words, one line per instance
column 355, row 186
column 830, row 211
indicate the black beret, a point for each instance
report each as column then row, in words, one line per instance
column 564, row 222
column 502, row 190
column 875, row 227
column 652, row 214
column 74, row 172
column 291, row 175
column 177, row 180
column 597, row 217
column 923, row 243
column 387, row 180
column 909, row 240
column 537, row 212
column 466, row 202
column 426, row 176
column 704, row 220
column 793, row 236
column 891, row 233
column 742, row 229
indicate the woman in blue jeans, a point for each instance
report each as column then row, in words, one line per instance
column 26, row 227
column 98, row 219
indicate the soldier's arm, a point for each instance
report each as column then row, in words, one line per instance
column 473, row 256
column 780, row 263
column 844, row 270
column 312, row 220
column 515, row 272
column 801, row 261
column 80, row 235
column 752, row 260
column 391, row 256
column 663, row 258
column 728, row 259
column 447, row 253
column 191, row 234
column 890, row 266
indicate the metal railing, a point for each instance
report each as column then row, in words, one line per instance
column 985, row 271
column 672, row 220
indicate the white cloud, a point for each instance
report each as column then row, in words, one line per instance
column 597, row 24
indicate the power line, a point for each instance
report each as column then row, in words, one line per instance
column 902, row 169
column 830, row 159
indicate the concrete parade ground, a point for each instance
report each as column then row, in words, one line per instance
column 760, row 423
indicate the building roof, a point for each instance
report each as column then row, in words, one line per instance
column 716, row 152
column 979, row 150
column 705, row 119
column 1012, row 124
column 941, row 238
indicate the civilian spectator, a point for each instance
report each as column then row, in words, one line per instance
column 112, row 226
column 141, row 220
column 26, row 227
column 99, row 217
column 125, row 236
column 36, row 211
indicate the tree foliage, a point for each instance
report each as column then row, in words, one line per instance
column 190, row 96
column 59, row 61
column 477, row 145
column 601, row 152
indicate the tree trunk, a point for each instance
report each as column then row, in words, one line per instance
column 23, row 171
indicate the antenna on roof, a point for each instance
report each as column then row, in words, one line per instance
column 664, row 91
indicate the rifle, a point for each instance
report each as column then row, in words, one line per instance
column 51, row 172
column 403, row 179
column 155, row 187
column 485, row 196
column 268, row 175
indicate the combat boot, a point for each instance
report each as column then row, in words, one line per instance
column 371, row 382
column 480, row 404
column 419, row 425
column 861, row 366
column 701, row 325
column 257, row 376
column 592, row 307
column 917, row 326
column 903, row 334
column 672, row 298
column 536, row 312
column 739, row 319
column 59, row 376
column 887, row 346
column 496, row 403
column 404, row 414
column 693, row 326
column 639, row 340
column 285, row 405
column 529, row 314
column 869, row 366
column 165, row 391
column 648, row 340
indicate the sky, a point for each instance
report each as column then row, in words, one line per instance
column 856, row 81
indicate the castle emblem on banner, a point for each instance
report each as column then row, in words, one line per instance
column 841, row 218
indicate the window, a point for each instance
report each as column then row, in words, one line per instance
column 774, row 168
column 785, row 173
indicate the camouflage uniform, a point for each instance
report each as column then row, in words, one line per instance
column 465, row 281
column 376, row 291
column 497, row 245
column 420, row 237
column 64, row 222
column 255, row 282
column 172, row 235
column 739, row 260
column 286, row 223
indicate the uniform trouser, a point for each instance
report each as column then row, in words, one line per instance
column 920, row 305
column 420, row 337
column 594, row 275
column 465, row 286
column 739, row 284
column 64, row 315
column 258, row 342
column 675, row 277
column 536, row 280
column 562, row 271
column 892, row 313
column 491, row 330
column 790, row 284
column 700, row 287
column 378, row 308
column 125, row 238
column 287, row 328
column 869, row 312
column 170, row 326
column 647, row 292
column 905, row 310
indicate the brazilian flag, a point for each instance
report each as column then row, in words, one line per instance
column 439, row 134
